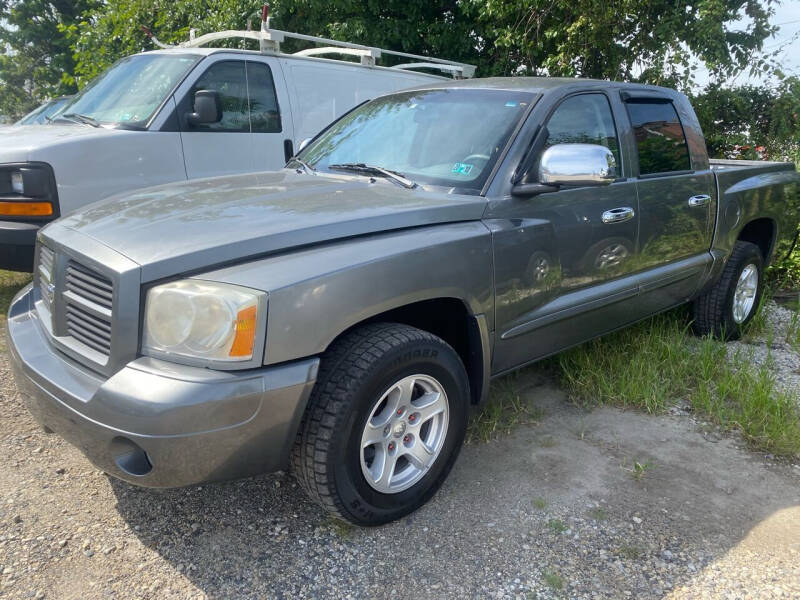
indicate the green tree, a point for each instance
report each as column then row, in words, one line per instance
column 647, row 40
column 36, row 61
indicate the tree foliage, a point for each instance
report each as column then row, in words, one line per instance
column 737, row 121
column 53, row 45
column 647, row 40
column 36, row 61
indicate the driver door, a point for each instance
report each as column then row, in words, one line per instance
column 225, row 147
column 560, row 261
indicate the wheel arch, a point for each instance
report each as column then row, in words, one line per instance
column 763, row 232
column 452, row 320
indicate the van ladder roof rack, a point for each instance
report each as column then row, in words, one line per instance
column 270, row 43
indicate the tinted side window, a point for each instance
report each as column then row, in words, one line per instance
column 265, row 116
column 659, row 137
column 228, row 79
column 584, row 119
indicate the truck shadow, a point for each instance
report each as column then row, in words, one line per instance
column 562, row 503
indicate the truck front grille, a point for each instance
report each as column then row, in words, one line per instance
column 88, row 299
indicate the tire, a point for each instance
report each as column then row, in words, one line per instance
column 361, row 379
column 714, row 311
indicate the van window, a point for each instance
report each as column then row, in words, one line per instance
column 228, row 79
column 660, row 139
column 584, row 119
column 265, row 116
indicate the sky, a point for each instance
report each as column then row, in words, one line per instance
column 787, row 17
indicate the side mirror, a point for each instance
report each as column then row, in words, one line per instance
column 303, row 144
column 207, row 108
column 577, row 164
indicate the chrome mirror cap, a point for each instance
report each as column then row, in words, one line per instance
column 577, row 164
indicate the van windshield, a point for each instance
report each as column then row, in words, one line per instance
column 130, row 91
column 447, row 137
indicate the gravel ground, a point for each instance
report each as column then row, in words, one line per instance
column 771, row 346
column 554, row 510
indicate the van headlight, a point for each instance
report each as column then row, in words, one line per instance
column 204, row 321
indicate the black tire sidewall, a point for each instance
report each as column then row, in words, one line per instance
column 752, row 256
column 365, row 504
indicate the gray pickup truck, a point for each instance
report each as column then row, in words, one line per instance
column 342, row 315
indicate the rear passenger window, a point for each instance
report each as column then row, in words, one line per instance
column 228, row 79
column 584, row 119
column 265, row 116
column 660, row 139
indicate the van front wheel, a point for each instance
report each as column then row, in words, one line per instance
column 384, row 425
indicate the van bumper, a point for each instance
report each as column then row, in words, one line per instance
column 158, row 424
column 17, row 241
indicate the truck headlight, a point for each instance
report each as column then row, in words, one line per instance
column 212, row 322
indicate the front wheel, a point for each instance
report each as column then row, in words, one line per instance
column 384, row 425
column 725, row 309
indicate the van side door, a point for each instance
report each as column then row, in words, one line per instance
column 271, row 119
column 677, row 200
column 224, row 147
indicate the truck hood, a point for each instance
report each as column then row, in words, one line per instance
column 21, row 142
column 197, row 225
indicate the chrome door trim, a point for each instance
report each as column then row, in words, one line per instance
column 618, row 215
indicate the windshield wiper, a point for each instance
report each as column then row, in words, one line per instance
column 78, row 118
column 375, row 170
column 306, row 167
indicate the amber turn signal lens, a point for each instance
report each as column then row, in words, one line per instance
column 26, row 209
column 245, row 333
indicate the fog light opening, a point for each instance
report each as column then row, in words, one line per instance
column 129, row 457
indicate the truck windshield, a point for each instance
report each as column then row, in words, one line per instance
column 445, row 137
column 129, row 92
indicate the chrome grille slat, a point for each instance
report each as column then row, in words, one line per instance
column 89, row 321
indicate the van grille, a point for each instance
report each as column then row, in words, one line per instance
column 88, row 303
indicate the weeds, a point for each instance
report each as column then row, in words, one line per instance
column 557, row 526
column 598, row 514
column 504, row 411
column 10, row 284
column 638, row 470
column 656, row 364
column 539, row 503
column 553, row 580
column 629, row 552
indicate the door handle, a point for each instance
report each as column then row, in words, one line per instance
column 618, row 215
column 699, row 200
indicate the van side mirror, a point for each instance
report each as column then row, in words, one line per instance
column 571, row 164
column 303, row 144
column 207, row 108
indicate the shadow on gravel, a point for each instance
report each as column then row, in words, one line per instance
column 555, row 510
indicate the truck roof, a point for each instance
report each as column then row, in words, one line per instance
column 543, row 84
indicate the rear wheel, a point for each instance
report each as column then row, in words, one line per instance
column 384, row 424
column 726, row 309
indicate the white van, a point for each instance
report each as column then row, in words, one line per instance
column 182, row 113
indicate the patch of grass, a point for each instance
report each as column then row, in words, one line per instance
column 629, row 552
column 539, row 503
column 504, row 411
column 10, row 284
column 340, row 528
column 598, row 514
column 638, row 469
column 658, row 363
column 557, row 525
column 553, row 580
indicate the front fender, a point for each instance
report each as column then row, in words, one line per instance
column 319, row 292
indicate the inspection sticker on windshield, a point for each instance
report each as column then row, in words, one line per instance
column 461, row 169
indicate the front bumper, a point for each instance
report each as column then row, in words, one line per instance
column 158, row 424
column 17, row 242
